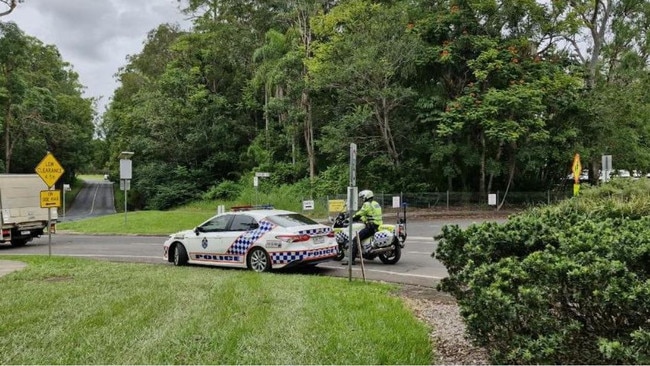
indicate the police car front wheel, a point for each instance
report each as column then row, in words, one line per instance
column 180, row 255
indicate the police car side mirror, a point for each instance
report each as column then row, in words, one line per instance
column 198, row 230
column 254, row 225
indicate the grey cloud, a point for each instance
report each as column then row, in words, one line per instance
column 95, row 36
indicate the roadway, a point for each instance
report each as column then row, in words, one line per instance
column 415, row 267
column 94, row 199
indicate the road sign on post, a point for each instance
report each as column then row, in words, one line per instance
column 577, row 171
column 50, row 199
column 576, row 168
column 352, row 205
column 126, row 174
column 256, row 181
column 49, row 169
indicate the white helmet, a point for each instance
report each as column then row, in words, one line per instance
column 365, row 195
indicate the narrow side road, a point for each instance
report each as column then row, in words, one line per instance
column 94, row 199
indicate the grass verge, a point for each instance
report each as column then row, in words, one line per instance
column 138, row 222
column 75, row 311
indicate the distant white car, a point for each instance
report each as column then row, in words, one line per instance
column 621, row 173
column 258, row 239
column 584, row 176
column 616, row 173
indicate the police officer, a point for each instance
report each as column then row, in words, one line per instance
column 370, row 214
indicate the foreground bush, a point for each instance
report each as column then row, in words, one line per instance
column 566, row 284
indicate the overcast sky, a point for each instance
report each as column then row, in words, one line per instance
column 95, row 36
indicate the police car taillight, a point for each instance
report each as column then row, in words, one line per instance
column 331, row 234
column 293, row 238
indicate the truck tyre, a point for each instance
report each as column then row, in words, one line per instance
column 18, row 242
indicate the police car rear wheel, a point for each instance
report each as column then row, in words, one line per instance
column 180, row 255
column 340, row 254
column 258, row 260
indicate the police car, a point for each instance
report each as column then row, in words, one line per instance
column 258, row 239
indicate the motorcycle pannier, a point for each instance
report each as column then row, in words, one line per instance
column 382, row 239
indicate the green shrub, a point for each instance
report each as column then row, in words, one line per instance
column 565, row 284
column 226, row 190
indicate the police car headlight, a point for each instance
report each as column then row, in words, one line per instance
column 177, row 236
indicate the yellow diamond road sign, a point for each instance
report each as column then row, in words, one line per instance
column 49, row 170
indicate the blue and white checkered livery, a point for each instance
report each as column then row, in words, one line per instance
column 382, row 239
column 258, row 239
column 248, row 238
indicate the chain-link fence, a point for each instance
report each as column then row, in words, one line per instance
column 454, row 200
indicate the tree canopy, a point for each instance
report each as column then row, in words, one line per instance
column 41, row 106
column 467, row 95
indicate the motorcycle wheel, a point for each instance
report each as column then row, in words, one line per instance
column 391, row 257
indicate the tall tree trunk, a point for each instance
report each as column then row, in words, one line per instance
column 497, row 158
column 308, row 127
column 381, row 113
column 482, row 173
column 597, row 29
column 8, row 145
column 308, row 130
column 266, row 114
column 511, row 174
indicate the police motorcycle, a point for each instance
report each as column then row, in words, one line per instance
column 387, row 243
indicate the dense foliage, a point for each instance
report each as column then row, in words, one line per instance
column 568, row 284
column 41, row 107
column 465, row 95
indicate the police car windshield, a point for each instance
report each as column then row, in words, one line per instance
column 290, row 220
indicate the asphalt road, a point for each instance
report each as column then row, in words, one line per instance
column 416, row 266
column 94, row 199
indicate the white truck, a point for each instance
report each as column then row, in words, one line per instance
column 22, row 217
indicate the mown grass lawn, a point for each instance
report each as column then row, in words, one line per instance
column 138, row 222
column 75, row 311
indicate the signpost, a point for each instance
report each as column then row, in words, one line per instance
column 352, row 204
column 308, row 205
column 577, row 171
column 125, row 176
column 66, row 188
column 50, row 199
column 606, row 167
column 256, row 181
column 50, row 170
column 336, row 206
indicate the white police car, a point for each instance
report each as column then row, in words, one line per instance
column 259, row 239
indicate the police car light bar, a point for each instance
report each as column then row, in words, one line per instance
column 249, row 207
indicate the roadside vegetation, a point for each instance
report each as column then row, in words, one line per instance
column 139, row 222
column 187, row 216
column 157, row 222
column 465, row 96
column 77, row 311
column 563, row 284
